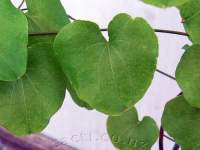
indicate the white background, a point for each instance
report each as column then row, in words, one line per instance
column 74, row 125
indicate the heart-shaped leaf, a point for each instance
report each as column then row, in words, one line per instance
column 188, row 75
column 109, row 76
column 28, row 103
column 13, row 42
column 181, row 121
column 190, row 13
column 128, row 133
column 165, row 3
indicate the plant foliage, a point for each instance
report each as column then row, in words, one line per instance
column 127, row 132
column 42, row 54
column 13, row 42
column 191, row 19
column 166, row 3
column 108, row 75
column 188, row 76
column 181, row 121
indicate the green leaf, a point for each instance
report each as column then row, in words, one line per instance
column 13, row 42
column 165, row 3
column 188, row 75
column 46, row 15
column 128, row 133
column 28, row 103
column 75, row 97
column 190, row 13
column 109, row 76
column 181, row 121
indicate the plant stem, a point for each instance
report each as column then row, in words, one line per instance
column 180, row 94
column 161, row 139
column 171, row 32
column 20, row 5
column 162, row 31
column 72, row 18
column 23, row 9
column 169, row 138
column 43, row 33
column 104, row 30
column 165, row 74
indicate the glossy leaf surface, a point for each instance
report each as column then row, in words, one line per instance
column 13, row 42
column 128, row 133
column 181, row 121
column 109, row 76
column 27, row 104
column 188, row 75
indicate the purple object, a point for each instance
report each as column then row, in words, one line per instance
column 176, row 147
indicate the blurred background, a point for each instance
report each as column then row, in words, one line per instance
column 86, row 130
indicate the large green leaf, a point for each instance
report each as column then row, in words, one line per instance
column 28, row 103
column 109, row 76
column 190, row 13
column 165, row 3
column 181, row 121
column 13, row 42
column 128, row 133
column 188, row 75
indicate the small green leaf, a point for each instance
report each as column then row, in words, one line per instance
column 128, row 133
column 13, row 42
column 188, row 75
column 28, row 103
column 181, row 121
column 190, row 13
column 109, row 76
column 46, row 15
column 165, row 3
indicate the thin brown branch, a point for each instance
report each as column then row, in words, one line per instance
column 105, row 29
column 72, row 18
column 162, row 31
column 21, row 4
column 171, row 32
column 169, row 138
column 43, row 33
column 165, row 74
column 23, row 9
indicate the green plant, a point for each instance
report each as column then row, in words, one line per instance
column 42, row 54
